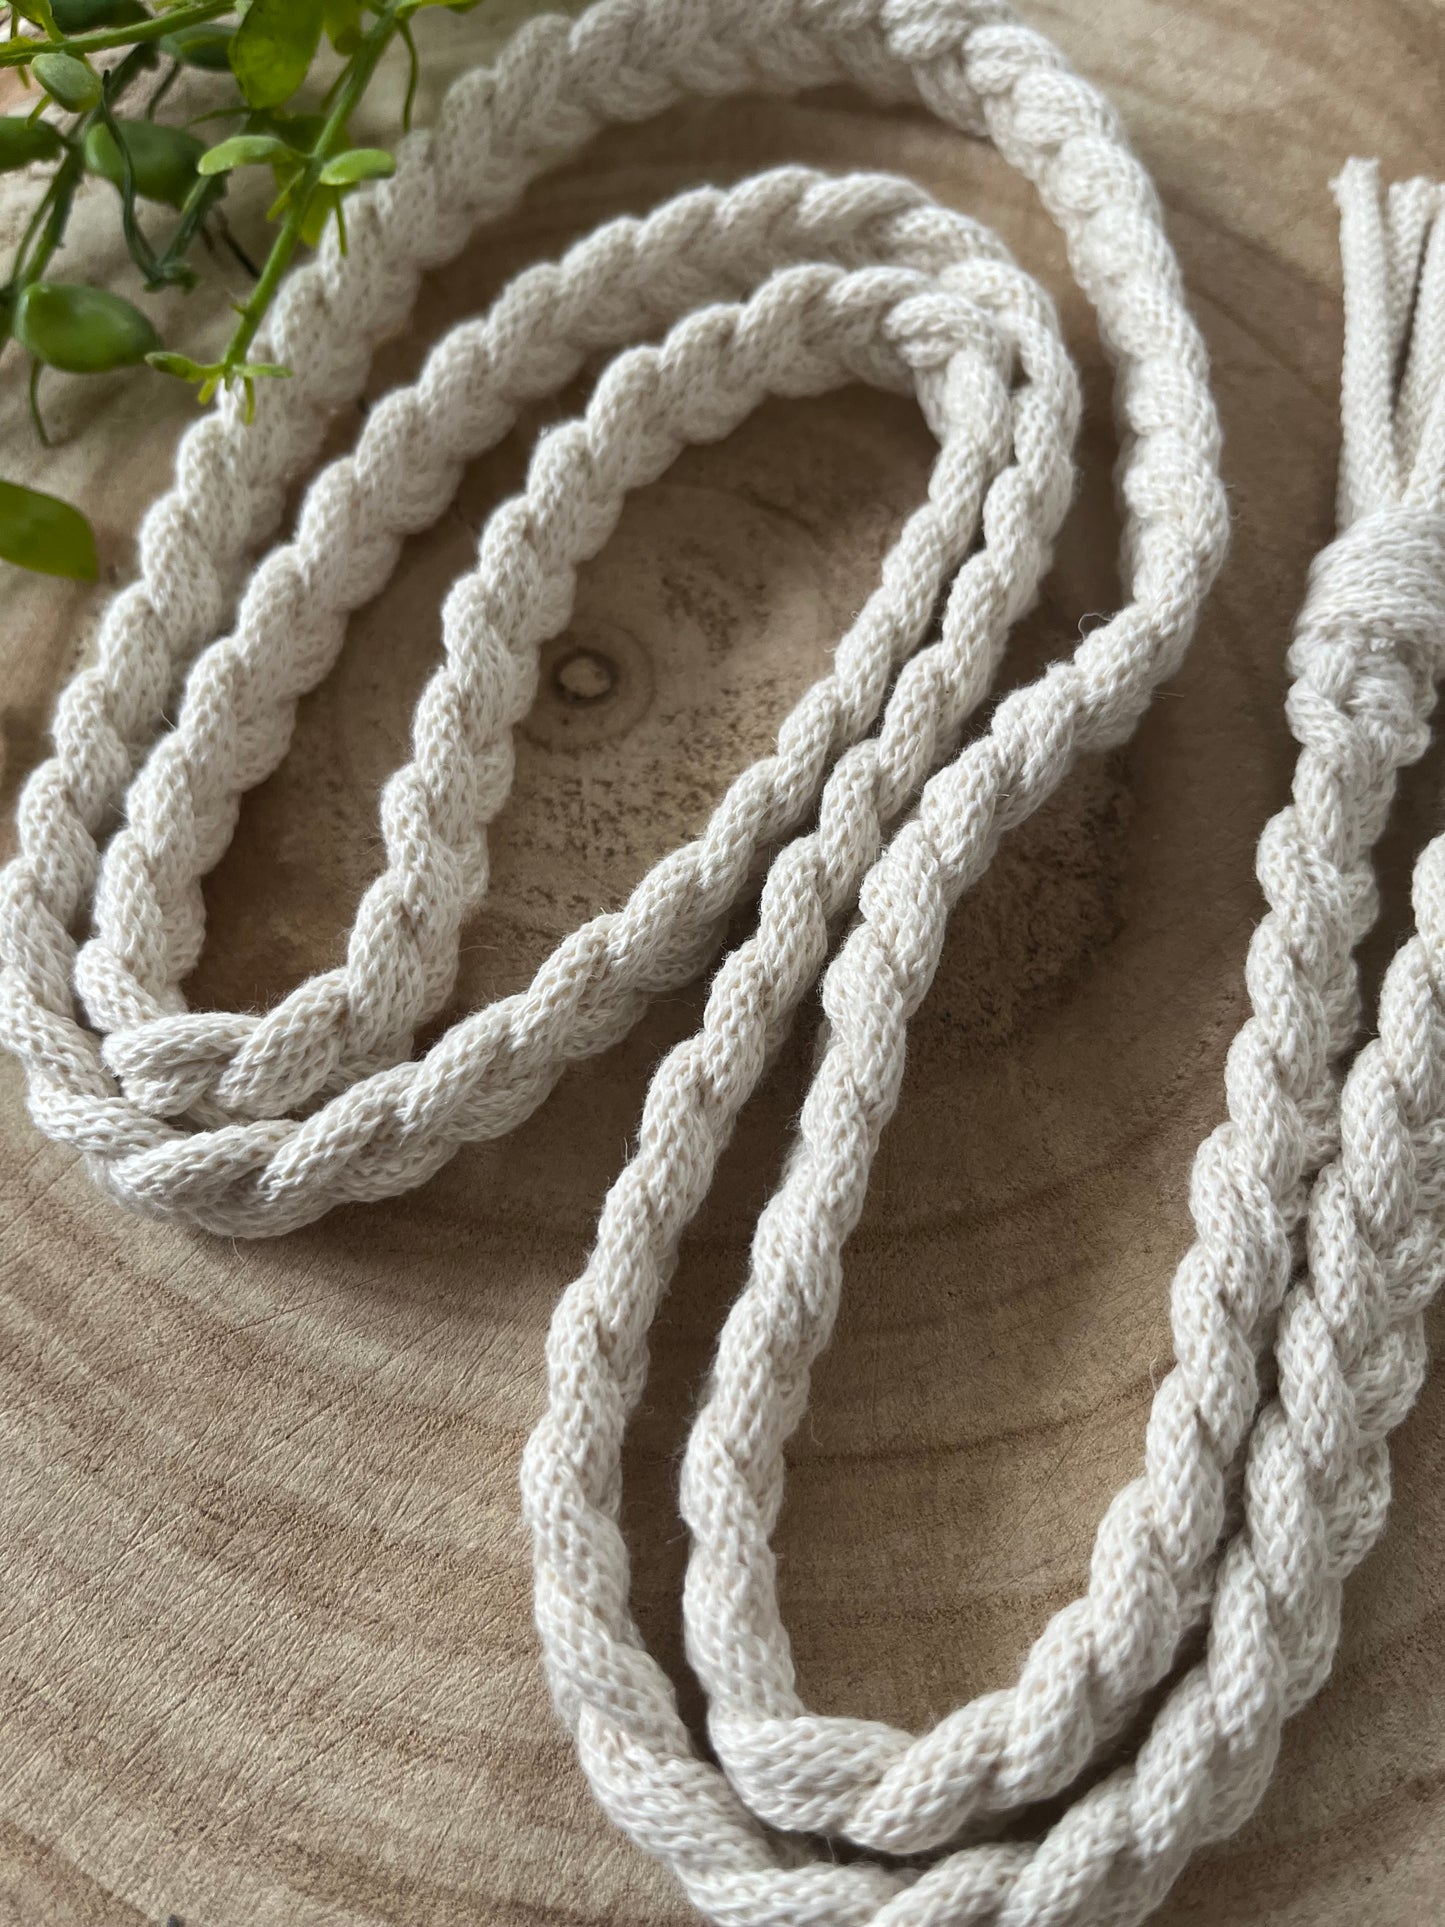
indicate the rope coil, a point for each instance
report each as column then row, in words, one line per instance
column 1359, row 1169
column 252, row 1124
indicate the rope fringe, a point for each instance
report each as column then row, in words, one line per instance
column 1393, row 382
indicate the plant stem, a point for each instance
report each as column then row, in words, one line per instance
column 16, row 52
column 139, row 248
column 46, row 228
column 205, row 191
column 32, row 392
column 413, row 73
column 164, row 88
column 66, row 179
column 38, row 219
column 329, row 142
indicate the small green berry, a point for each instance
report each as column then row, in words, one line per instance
column 85, row 331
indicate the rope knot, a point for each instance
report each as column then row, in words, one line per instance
column 1380, row 586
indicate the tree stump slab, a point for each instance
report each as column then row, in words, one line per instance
column 266, row 1651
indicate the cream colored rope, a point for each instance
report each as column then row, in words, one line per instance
column 787, row 285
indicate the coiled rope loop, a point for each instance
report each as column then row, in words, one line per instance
column 1364, row 1167
column 1365, row 660
column 788, row 284
column 939, row 308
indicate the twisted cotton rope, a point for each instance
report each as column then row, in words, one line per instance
column 961, row 324
column 1347, row 1334
column 187, row 1114
column 256, row 1124
column 1359, row 714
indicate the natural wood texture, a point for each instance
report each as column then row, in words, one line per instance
column 267, row 1652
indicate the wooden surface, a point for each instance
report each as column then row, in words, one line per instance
column 265, row 1642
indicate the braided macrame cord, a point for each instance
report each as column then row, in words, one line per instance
column 1316, row 1204
column 385, row 1122
column 1357, row 1168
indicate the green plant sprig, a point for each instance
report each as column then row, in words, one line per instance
column 45, row 231
column 20, row 50
column 268, row 47
column 299, row 195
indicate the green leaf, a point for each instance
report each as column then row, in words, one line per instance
column 301, row 131
column 342, row 20
column 167, row 362
column 210, row 375
column 206, row 45
column 162, row 159
column 85, row 331
column 84, row 16
column 247, row 150
column 357, row 164
column 67, row 80
column 273, row 48
column 23, row 140
column 39, row 14
column 325, row 202
column 40, row 532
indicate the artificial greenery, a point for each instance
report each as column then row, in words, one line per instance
column 101, row 71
